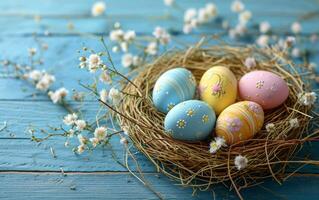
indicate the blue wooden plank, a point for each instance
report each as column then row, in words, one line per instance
column 124, row 186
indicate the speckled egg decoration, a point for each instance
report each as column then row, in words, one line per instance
column 172, row 87
column 263, row 87
column 190, row 120
column 240, row 121
column 218, row 88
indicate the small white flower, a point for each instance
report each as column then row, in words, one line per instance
column 240, row 29
column 244, row 17
column 115, row 49
column 250, row 62
column 98, row 8
column 307, row 99
column 32, row 51
column 105, row 77
column 58, row 95
column 137, row 60
column 115, row 95
column 187, row 28
column 94, row 141
column 296, row 27
column 116, row 35
column 127, row 60
column 216, row 144
column 263, row 40
column 70, row 119
column 190, row 14
column 270, row 127
column 290, row 41
column 241, row 162
column 83, row 140
column 211, row 9
column 264, row 27
column 71, row 133
column 151, row 48
column 237, row 6
column 203, row 16
column 45, row 82
column 94, row 62
column 129, row 35
column 294, row 123
column 35, row 75
column 81, row 148
column 296, row 52
column 123, row 140
column 100, row 133
column 124, row 46
column 169, row 2
column 103, row 95
column 162, row 35
column 80, row 124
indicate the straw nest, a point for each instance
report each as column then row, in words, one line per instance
column 191, row 163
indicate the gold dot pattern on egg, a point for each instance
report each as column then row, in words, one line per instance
column 205, row 119
column 190, row 112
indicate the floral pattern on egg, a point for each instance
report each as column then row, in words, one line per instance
column 239, row 121
column 218, row 88
column 190, row 120
column 263, row 87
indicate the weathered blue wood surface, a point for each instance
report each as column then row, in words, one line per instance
column 29, row 171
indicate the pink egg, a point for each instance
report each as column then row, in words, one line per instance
column 265, row 88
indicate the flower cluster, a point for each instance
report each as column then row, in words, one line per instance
column 41, row 79
column 216, row 144
column 58, row 95
column 307, row 99
column 193, row 17
column 241, row 162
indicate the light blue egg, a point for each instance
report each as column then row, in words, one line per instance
column 172, row 87
column 190, row 120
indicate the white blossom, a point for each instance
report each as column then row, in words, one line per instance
column 294, row 123
column 237, row 6
column 94, row 62
column 137, row 60
column 290, row 41
column 127, row 60
column 307, row 99
column 211, row 10
column 80, row 124
column 129, row 35
column 116, row 35
column 296, row 52
column 45, row 82
column 264, row 27
column 81, row 148
column 115, row 49
column 162, row 35
column 190, row 14
column 105, row 77
column 244, row 17
column 216, row 144
column 35, row 75
column 70, row 119
column 124, row 46
column 123, row 140
column 187, row 28
column 263, row 40
column 151, row 48
column 115, row 95
column 32, row 51
column 83, row 140
column 250, row 62
column 103, row 95
column 100, row 133
column 58, row 95
column 169, row 2
column 203, row 16
column 241, row 162
column 94, row 141
column 296, row 27
column 98, row 8
column 270, row 127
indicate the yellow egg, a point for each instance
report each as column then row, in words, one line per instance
column 218, row 88
column 240, row 121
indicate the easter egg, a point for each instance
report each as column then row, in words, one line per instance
column 190, row 120
column 263, row 87
column 239, row 121
column 172, row 87
column 218, row 88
